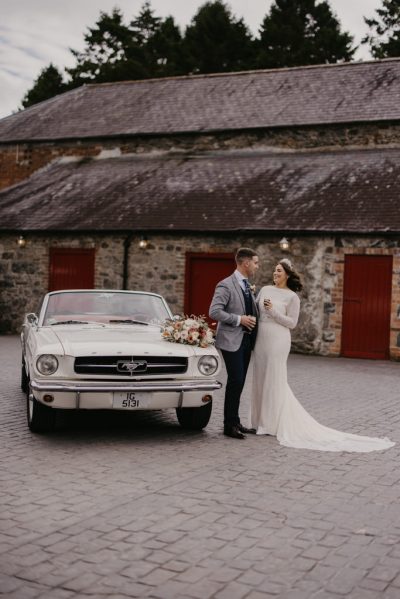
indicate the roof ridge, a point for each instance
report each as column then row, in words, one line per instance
column 351, row 64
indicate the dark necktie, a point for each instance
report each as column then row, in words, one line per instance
column 246, row 287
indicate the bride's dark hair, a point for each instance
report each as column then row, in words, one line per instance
column 293, row 281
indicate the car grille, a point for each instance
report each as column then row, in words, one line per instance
column 130, row 366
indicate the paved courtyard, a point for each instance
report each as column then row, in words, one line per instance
column 130, row 505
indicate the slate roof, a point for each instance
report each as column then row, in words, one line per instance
column 341, row 191
column 319, row 95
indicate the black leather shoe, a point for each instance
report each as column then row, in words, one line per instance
column 234, row 432
column 246, row 431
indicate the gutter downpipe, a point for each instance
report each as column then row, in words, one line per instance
column 127, row 244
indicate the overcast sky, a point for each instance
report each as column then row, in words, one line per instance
column 34, row 33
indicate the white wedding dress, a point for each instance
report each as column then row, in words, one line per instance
column 274, row 409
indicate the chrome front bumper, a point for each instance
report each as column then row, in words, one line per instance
column 100, row 394
column 101, row 387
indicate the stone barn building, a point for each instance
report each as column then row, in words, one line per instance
column 153, row 184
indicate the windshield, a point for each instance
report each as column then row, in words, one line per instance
column 105, row 307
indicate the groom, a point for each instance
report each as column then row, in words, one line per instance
column 235, row 309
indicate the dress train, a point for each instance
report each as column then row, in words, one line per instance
column 274, row 409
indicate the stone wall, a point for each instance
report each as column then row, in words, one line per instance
column 161, row 269
column 24, row 271
column 18, row 161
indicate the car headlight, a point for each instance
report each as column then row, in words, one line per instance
column 47, row 364
column 208, row 365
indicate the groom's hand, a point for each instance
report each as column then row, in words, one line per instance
column 248, row 321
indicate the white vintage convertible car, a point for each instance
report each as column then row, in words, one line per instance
column 103, row 350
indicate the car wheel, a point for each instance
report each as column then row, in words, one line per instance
column 194, row 418
column 41, row 419
column 24, row 378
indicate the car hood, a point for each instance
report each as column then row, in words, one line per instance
column 124, row 341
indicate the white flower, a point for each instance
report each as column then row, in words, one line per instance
column 177, row 335
column 191, row 322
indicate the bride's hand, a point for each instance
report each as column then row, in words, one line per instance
column 267, row 304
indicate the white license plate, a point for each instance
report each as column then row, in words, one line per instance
column 131, row 400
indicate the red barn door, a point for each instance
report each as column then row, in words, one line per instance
column 203, row 272
column 71, row 268
column 366, row 306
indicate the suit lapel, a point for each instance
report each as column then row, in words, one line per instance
column 239, row 291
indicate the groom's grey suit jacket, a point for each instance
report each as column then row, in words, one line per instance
column 226, row 305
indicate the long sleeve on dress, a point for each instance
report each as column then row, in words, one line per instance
column 292, row 314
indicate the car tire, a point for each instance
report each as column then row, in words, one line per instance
column 41, row 419
column 24, row 378
column 194, row 419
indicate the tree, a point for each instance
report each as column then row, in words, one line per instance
column 166, row 48
column 111, row 53
column 302, row 32
column 145, row 25
column 114, row 51
column 161, row 41
column 384, row 38
column 147, row 47
column 49, row 83
column 216, row 42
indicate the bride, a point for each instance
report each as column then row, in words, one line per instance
column 274, row 409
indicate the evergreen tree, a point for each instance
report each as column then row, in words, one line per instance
column 111, row 53
column 49, row 83
column 161, row 41
column 145, row 25
column 384, row 38
column 166, row 48
column 114, row 51
column 216, row 42
column 147, row 47
column 302, row 32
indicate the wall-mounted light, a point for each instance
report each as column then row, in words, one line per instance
column 21, row 241
column 284, row 244
column 143, row 243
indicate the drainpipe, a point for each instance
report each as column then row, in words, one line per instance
column 127, row 244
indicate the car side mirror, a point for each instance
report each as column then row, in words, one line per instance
column 32, row 318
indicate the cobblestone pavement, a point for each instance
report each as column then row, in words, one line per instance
column 130, row 505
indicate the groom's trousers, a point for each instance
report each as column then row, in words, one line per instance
column 237, row 363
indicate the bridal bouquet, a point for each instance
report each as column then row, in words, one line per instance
column 191, row 331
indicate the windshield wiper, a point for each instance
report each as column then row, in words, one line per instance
column 53, row 324
column 129, row 321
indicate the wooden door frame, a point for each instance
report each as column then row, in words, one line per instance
column 189, row 257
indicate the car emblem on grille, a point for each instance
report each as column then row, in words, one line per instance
column 133, row 366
